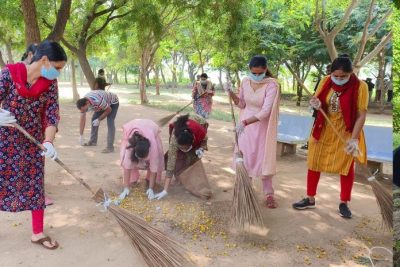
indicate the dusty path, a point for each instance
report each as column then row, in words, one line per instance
column 91, row 238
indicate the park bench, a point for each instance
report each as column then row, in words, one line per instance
column 292, row 131
column 379, row 142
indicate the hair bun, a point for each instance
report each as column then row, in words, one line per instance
column 344, row 56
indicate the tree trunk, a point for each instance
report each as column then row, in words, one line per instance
column 191, row 69
column 126, row 76
column 237, row 78
column 74, row 86
column 157, row 76
column 162, row 75
column 32, row 32
column 381, row 78
column 220, row 78
column 9, row 53
column 148, row 79
column 299, row 90
column 80, row 75
column 115, row 79
column 143, row 72
column 61, row 21
column 2, row 63
column 86, row 69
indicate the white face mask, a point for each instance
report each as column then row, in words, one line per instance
column 339, row 82
column 187, row 150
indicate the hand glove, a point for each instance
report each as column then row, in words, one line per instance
column 122, row 196
column 6, row 118
column 50, row 150
column 161, row 195
column 352, row 147
column 150, row 194
column 96, row 123
column 315, row 103
column 81, row 140
column 200, row 152
column 240, row 128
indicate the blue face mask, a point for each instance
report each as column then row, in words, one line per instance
column 257, row 78
column 339, row 82
column 49, row 74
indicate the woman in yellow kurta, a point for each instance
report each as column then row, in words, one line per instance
column 344, row 98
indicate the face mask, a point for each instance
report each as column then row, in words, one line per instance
column 49, row 74
column 203, row 82
column 339, row 82
column 187, row 150
column 256, row 78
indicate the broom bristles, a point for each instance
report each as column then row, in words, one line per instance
column 385, row 203
column 163, row 121
column 245, row 207
column 156, row 248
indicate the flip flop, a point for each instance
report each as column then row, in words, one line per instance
column 44, row 239
column 271, row 203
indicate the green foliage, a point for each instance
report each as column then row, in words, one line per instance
column 396, row 70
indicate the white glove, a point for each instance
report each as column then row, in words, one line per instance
column 161, row 195
column 122, row 196
column 96, row 123
column 200, row 152
column 240, row 128
column 352, row 147
column 81, row 140
column 6, row 118
column 150, row 194
column 315, row 103
column 50, row 151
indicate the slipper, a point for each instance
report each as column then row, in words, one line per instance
column 48, row 201
column 42, row 240
column 270, row 201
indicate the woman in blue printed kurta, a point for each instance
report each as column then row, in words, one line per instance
column 30, row 94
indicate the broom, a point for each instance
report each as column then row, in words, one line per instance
column 156, row 248
column 163, row 121
column 245, row 207
column 383, row 197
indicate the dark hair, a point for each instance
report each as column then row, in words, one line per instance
column 343, row 62
column 182, row 133
column 100, row 71
column 52, row 50
column 204, row 75
column 260, row 61
column 81, row 102
column 31, row 48
column 140, row 146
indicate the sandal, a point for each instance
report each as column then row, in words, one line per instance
column 42, row 241
column 271, row 203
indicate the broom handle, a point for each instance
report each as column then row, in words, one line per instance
column 233, row 121
column 37, row 143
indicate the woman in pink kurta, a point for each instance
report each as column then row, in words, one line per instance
column 257, row 130
column 141, row 149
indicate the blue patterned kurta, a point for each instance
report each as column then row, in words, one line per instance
column 21, row 165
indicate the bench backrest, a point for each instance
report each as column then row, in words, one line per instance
column 379, row 142
column 295, row 125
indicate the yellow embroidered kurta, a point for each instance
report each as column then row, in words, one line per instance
column 327, row 154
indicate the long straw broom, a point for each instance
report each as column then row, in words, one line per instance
column 155, row 247
column 245, row 207
column 383, row 197
column 163, row 121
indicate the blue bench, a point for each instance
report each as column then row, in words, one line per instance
column 379, row 142
column 292, row 131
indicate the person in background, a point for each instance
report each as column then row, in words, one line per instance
column 257, row 130
column 105, row 105
column 29, row 97
column 344, row 98
column 371, row 86
column 100, row 81
column 202, row 94
column 141, row 149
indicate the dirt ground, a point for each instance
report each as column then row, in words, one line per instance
column 89, row 237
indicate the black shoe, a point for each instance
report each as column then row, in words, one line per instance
column 89, row 144
column 344, row 211
column 303, row 204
